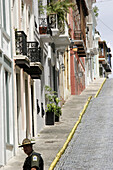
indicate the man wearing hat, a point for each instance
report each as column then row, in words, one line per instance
column 34, row 160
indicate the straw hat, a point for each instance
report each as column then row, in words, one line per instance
column 26, row 141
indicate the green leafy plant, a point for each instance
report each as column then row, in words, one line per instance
column 95, row 9
column 51, row 107
column 40, row 7
column 50, row 95
column 60, row 7
column 52, row 101
column 57, row 109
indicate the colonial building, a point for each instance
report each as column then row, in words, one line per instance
column 39, row 49
column 27, row 68
column 78, row 48
column 92, row 49
column 104, row 59
column 6, row 85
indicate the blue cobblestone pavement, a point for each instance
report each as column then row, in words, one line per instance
column 91, row 147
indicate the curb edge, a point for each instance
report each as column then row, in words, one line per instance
column 70, row 136
column 100, row 88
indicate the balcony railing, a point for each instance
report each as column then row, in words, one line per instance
column 61, row 27
column 56, row 23
column 78, row 35
column 21, row 43
column 28, row 55
column 53, row 21
column 33, row 52
column 108, row 50
column 44, row 27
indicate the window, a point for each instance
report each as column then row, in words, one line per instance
column 40, row 8
column 4, row 14
column 7, row 106
column 0, row 13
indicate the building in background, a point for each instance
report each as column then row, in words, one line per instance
column 78, row 50
column 92, row 48
column 104, row 59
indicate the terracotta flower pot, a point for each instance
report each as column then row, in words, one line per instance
column 43, row 30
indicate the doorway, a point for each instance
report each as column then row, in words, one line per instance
column 32, row 101
column 18, row 105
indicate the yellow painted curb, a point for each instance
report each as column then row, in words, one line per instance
column 70, row 136
column 100, row 88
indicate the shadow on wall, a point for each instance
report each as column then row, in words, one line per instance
column 40, row 118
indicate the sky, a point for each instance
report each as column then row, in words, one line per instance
column 105, row 22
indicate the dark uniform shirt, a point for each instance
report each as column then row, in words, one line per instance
column 33, row 161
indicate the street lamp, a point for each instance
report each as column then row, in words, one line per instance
column 75, row 49
column 62, row 67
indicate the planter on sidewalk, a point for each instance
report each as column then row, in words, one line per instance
column 50, row 118
column 53, row 111
column 57, row 118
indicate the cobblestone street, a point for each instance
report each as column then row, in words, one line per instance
column 91, row 147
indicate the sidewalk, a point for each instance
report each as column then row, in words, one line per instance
column 51, row 139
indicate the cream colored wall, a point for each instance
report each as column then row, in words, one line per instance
column 21, row 22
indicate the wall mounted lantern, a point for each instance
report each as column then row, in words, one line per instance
column 62, row 66
column 75, row 49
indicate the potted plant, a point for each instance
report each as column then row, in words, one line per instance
column 43, row 25
column 60, row 8
column 57, row 110
column 50, row 115
column 53, row 110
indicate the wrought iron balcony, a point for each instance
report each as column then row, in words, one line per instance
column 80, row 42
column 28, row 55
column 106, row 66
column 34, row 52
column 21, row 58
column 53, row 23
column 102, row 51
column 45, row 30
column 21, row 43
column 78, row 35
column 59, row 32
column 108, row 50
column 56, row 23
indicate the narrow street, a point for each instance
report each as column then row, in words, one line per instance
column 54, row 58
column 91, row 147
column 51, row 139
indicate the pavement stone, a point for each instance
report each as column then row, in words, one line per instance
column 91, row 147
column 52, row 138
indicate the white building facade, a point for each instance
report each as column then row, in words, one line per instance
column 92, row 47
column 6, row 85
column 27, row 68
column 35, row 53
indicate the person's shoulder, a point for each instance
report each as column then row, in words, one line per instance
column 37, row 160
column 36, row 153
column 37, row 156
